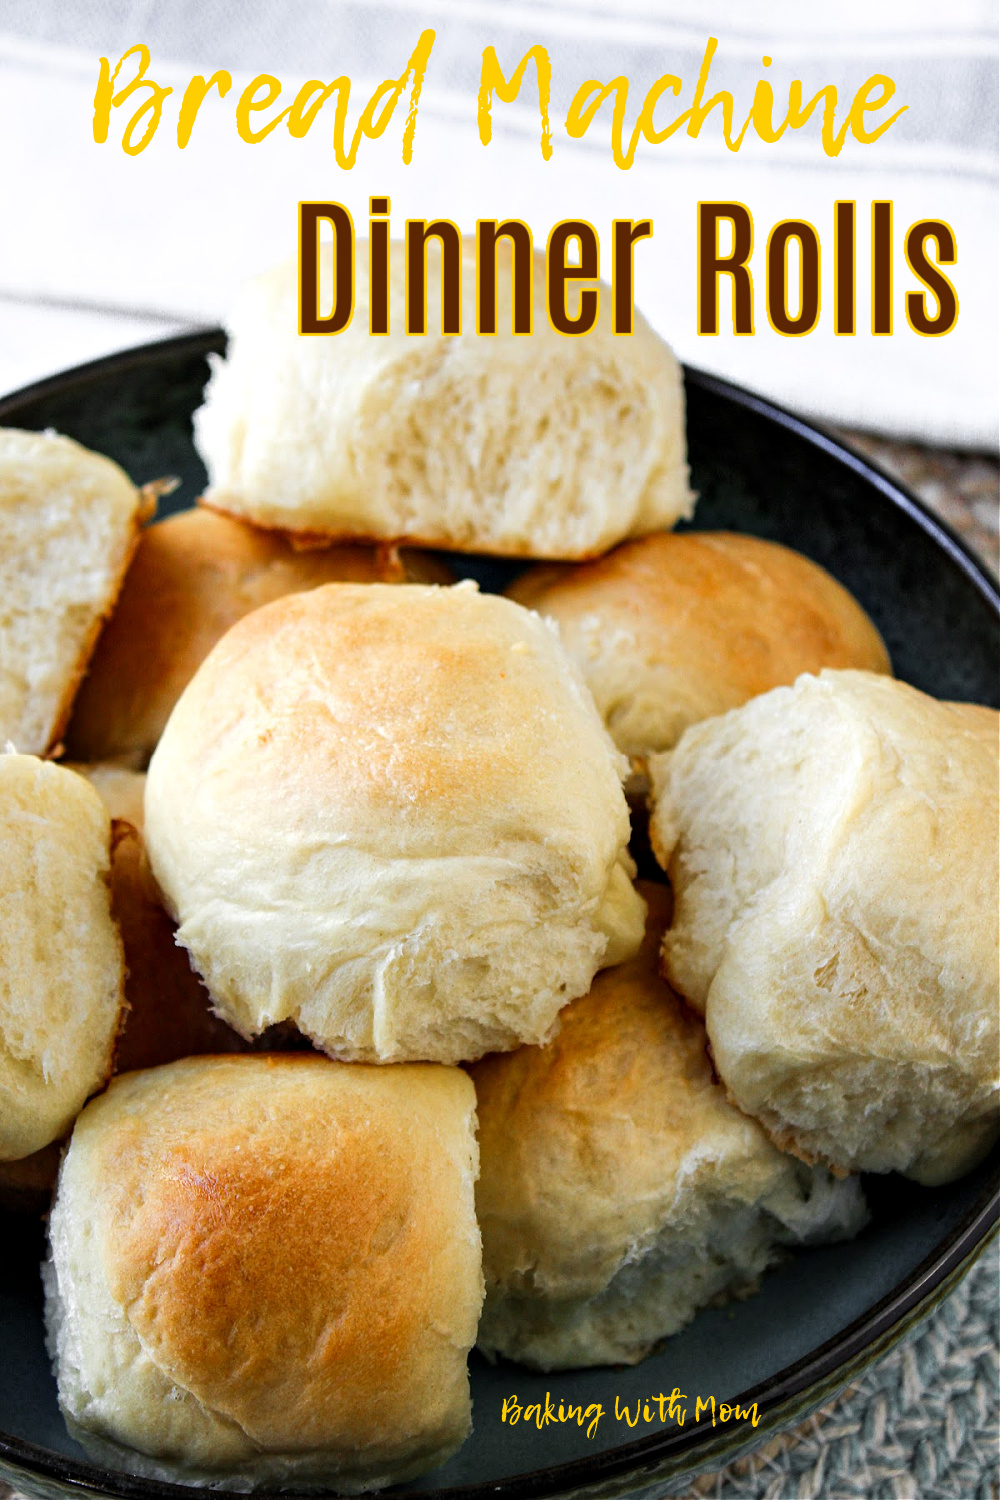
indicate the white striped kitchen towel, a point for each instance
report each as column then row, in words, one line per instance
column 101, row 249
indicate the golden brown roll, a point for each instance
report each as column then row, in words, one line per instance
column 672, row 629
column 61, row 969
column 833, row 852
column 267, row 1271
column 539, row 445
column 618, row 1190
column 195, row 574
column 393, row 816
column 69, row 523
column 169, row 1012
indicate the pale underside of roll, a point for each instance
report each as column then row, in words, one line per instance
column 619, row 1191
column 833, row 852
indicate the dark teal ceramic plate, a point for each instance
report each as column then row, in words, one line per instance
column 825, row 1315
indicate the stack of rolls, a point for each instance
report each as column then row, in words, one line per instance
column 336, row 886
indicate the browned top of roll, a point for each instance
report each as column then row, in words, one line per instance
column 193, row 576
column 293, row 1243
column 672, row 629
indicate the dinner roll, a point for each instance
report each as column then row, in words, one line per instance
column 195, row 574
column 267, row 1271
column 61, row 968
column 833, row 852
column 619, row 1191
column 673, row 629
column 169, row 1012
column 980, row 720
column 393, row 816
column 69, row 522
column 536, row 446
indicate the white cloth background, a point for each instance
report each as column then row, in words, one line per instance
column 101, row 250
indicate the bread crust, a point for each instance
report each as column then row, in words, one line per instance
column 278, row 1257
column 194, row 575
column 674, row 628
column 306, row 540
column 168, row 1013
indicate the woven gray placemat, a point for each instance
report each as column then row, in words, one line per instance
column 961, row 487
column 922, row 1424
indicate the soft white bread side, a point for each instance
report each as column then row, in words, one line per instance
column 267, row 1271
column 619, row 1191
column 538, row 446
column 61, row 970
column 69, row 522
column 392, row 815
column 193, row 576
column 833, row 852
column 672, row 629
column 980, row 720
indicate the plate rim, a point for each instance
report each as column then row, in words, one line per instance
column 787, row 1390
column 212, row 339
